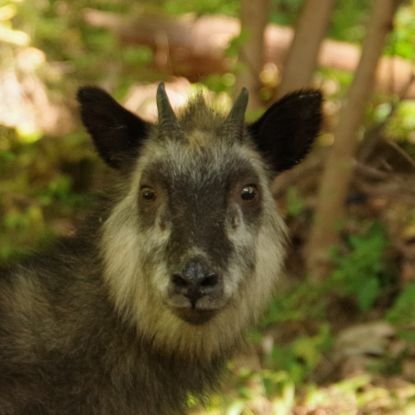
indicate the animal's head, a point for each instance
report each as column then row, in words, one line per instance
column 194, row 244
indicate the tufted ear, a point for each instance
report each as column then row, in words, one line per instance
column 286, row 131
column 117, row 133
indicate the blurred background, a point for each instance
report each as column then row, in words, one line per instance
column 339, row 337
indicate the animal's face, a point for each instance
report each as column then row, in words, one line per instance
column 201, row 208
column 195, row 239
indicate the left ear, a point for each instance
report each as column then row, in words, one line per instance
column 287, row 130
column 117, row 133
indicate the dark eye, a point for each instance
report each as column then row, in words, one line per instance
column 148, row 194
column 249, row 192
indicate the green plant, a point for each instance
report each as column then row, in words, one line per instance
column 402, row 313
column 295, row 202
column 361, row 272
column 300, row 357
column 297, row 303
column 401, row 42
column 349, row 20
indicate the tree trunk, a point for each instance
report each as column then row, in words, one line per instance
column 302, row 57
column 254, row 18
column 194, row 47
column 338, row 171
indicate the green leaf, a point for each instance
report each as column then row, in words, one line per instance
column 368, row 293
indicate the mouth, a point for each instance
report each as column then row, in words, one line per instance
column 195, row 312
column 194, row 316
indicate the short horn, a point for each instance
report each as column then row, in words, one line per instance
column 235, row 120
column 167, row 117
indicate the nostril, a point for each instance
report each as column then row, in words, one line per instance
column 179, row 281
column 210, row 281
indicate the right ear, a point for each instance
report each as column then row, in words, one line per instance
column 287, row 130
column 117, row 132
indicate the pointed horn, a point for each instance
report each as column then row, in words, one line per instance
column 235, row 120
column 167, row 117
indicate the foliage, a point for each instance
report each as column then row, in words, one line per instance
column 402, row 124
column 349, row 20
column 297, row 303
column 402, row 313
column 300, row 357
column 219, row 82
column 37, row 199
column 295, row 203
column 362, row 275
column 361, row 272
column 44, row 180
column 401, row 42
column 284, row 11
column 349, row 23
column 201, row 7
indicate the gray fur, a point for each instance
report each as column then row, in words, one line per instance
column 109, row 322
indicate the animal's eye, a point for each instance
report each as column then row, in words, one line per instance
column 249, row 192
column 148, row 194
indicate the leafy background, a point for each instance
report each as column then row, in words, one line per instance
column 344, row 346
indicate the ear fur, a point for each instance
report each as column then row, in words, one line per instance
column 286, row 131
column 117, row 133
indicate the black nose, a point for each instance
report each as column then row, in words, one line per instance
column 195, row 281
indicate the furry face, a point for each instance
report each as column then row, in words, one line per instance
column 142, row 307
column 194, row 245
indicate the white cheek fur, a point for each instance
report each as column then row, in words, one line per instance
column 138, row 291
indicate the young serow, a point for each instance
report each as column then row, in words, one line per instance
column 144, row 305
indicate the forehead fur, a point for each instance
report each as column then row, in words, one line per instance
column 198, row 116
column 202, row 156
column 202, row 151
column 202, row 141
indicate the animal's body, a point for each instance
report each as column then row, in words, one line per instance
column 143, row 307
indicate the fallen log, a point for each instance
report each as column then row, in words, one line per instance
column 195, row 46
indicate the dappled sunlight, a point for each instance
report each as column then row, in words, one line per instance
column 341, row 344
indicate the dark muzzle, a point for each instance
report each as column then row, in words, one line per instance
column 196, row 280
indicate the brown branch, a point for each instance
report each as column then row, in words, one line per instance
column 195, row 46
column 308, row 168
column 303, row 53
column 401, row 187
column 374, row 135
column 254, row 18
column 338, row 171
